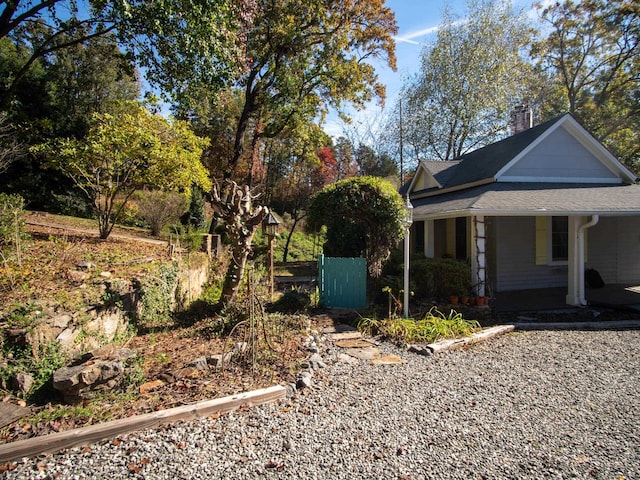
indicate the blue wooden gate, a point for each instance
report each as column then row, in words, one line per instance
column 342, row 282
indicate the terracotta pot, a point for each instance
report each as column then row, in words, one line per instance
column 473, row 300
column 453, row 299
column 483, row 300
column 464, row 300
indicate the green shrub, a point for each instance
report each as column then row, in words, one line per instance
column 41, row 367
column 428, row 277
column 439, row 277
column 292, row 301
column 156, row 295
column 196, row 214
column 187, row 237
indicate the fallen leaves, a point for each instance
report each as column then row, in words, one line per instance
column 139, row 466
column 272, row 464
column 8, row 467
column 147, row 387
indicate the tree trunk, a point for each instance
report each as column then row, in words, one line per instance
column 235, row 272
column 240, row 221
column 285, row 254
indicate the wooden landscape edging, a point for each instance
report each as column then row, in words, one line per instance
column 455, row 343
column 95, row 433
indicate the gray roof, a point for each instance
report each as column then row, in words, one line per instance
column 442, row 171
column 484, row 163
column 497, row 199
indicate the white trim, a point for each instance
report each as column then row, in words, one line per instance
column 422, row 166
column 452, row 189
column 523, row 213
column 478, row 255
column 582, row 230
column 519, row 179
column 550, row 261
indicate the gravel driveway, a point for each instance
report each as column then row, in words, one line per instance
column 527, row 405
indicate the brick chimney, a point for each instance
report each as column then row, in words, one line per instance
column 521, row 119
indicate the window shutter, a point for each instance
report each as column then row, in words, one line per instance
column 541, row 240
column 451, row 237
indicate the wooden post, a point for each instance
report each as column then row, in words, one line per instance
column 271, row 237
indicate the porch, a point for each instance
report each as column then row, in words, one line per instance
column 617, row 296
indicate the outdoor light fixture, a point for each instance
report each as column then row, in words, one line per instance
column 408, row 220
column 270, row 226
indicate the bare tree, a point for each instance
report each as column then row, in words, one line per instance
column 160, row 208
column 240, row 222
column 10, row 148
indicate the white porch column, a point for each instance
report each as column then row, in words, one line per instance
column 574, row 262
column 478, row 255
column 428, row 239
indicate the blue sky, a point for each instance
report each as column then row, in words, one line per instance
column 418, row 22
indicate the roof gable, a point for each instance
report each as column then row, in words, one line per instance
column 562, row 158
column 423, row 180
column 559, row 150
column 432, row 174
column 484, row 163
column 565, row 152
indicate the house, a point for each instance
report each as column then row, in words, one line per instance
column 532, row 211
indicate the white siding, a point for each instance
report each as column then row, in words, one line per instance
column 515, row 264
column 602, row 249
column 614, row 249
column 629, row 250
column 560, row 155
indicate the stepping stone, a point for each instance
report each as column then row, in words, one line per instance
column 10, row 412
column 345, row 336
column 344, row 358
column 387, row 360
column 341, row 327
column 353, row 343
column 363, row 353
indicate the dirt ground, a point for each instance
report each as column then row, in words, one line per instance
column 163, row 378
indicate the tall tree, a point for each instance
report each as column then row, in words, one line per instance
column 299, row 164
column 305, row 56
column 374, row 165
column 124, row 152
column 469, row 80
column 345, row 161
column 85, row 79
column 591, row 61
column 302, row 57
column 179, row 42
column 57, row 98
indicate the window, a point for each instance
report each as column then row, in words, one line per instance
column 461, row 238
column 559, row 239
